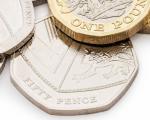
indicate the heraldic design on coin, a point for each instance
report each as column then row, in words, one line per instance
column 99, row 21
column 95, row 9
column 74, row 79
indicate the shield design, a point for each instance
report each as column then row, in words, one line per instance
column 17, row 23
column 64, row 77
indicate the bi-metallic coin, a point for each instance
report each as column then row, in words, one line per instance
column 99, row 21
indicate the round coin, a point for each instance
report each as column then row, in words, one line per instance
column 64, row 77
column 17, row 23
column 99, row 21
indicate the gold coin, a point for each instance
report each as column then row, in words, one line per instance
column 99, row 21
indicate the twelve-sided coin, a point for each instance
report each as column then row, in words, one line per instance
column 99, row 21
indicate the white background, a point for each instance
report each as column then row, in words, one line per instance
column 135, row 105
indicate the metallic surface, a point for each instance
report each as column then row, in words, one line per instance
column 145, row 28
column 99, row 21
column 17, row 23
column 64, row 77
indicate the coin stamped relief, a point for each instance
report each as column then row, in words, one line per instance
column 107, row 21
column 35, row 88
column 74, row 79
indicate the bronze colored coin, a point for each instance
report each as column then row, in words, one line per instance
column 99, row 21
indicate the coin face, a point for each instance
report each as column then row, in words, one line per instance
column 99, row 21
column 17, row 23
column 64, row 77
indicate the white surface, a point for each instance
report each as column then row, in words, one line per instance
column 134, row 105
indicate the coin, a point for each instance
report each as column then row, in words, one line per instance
column 17, row 23
column 64, row 77
column 99, row 21
column 145, row 28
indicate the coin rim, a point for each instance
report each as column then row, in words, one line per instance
column 96, row 38
column 72, row 111
column 26, row 33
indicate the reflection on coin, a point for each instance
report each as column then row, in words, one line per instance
column 2, row 62
column 17, row 23
column 99, row 21
column 64, row 77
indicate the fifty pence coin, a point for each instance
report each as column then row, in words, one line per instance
column 17, row 23
column 64, row 77
column 99, row 21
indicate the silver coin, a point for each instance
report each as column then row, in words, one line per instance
column 17, row 23
column 64, row 77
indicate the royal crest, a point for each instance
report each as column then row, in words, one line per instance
column 95, row 9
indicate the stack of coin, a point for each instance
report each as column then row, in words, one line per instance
column 78, row 58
